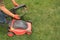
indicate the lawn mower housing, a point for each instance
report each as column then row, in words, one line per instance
column 19, row 27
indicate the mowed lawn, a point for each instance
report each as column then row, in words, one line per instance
column 45, row 17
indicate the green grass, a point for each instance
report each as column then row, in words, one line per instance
column 45, row 16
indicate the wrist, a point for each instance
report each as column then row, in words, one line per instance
column 13, row 15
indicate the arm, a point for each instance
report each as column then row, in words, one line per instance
column 6, row 11
column 14, row 3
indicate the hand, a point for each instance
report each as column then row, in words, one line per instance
column 16, row 16
column 16, row 5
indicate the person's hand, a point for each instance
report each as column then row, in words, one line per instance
column 16, row 5
column 16, row 16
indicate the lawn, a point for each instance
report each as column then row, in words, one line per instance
column 45, row 17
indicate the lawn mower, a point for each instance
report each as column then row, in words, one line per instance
column 19, row 27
